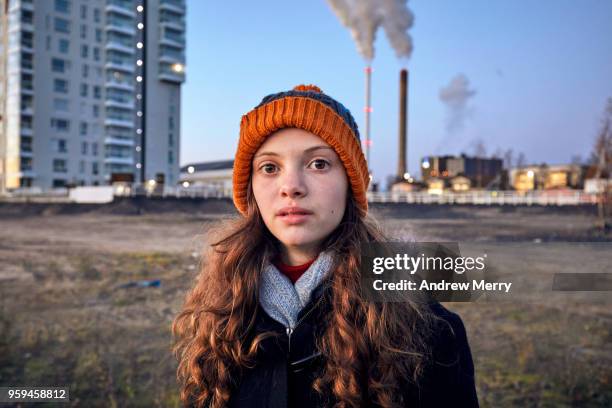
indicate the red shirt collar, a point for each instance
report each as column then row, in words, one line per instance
column 293, row 272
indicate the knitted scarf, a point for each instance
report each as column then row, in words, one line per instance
column 281, row 299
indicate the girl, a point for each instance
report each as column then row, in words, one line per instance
column 277, row 317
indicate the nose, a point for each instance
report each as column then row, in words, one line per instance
column 292, row 184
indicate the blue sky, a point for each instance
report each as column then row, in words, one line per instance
column 542, row 71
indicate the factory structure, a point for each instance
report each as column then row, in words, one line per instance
column 90, row 92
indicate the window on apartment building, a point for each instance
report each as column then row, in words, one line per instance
column 25, row 144
column 27, row 60
column 27, row 102
column 27, row 17
column 58, row 65
column 62, row 147
column 94, row 149
column 84, row 146
column 84, row 70
column 94, row 168
column 61, row 25
column 83, row 90
column 63, row 45
column 171, row 122
column 60, row 125
column 83, row 128
column 83, row 11
column 59, row 146
column 26, row 80
column 95, row 111
column 83, row 31
column 170, row 139
column 99, row 35
column 60, row 85
column 26, row 122
column 97, row 92
column 84, row 50
column 96, row 54
column 59, row 166
column 170, row 157
column 62, row 6
column 48, row 43
column 60, row 104
column 25, row 164
column 96, row 14
column 58, row 183
column 27, row 39
column 82, row 166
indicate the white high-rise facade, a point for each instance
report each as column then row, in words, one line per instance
column 90, row 91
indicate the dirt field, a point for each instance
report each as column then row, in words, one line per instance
column 65, row 320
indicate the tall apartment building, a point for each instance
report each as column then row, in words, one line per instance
column 90, row 91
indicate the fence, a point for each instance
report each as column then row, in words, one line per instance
column 544, row 198
column 563, row 197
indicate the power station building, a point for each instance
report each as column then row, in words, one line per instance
column 90, row 91
column 462, row 171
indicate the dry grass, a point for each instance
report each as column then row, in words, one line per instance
column 65, row 321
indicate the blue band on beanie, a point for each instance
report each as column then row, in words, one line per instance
column 336, row 106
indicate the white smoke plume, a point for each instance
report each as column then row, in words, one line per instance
column 364, row 17
column 455, row 96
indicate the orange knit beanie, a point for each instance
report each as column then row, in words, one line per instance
column 305, row 107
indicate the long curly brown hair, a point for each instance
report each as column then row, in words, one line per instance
column 368, row 347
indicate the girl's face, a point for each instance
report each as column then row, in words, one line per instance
column 300, row 187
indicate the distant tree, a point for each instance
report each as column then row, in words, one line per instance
column 602, row 149
column 576, row 159
column 602, row 158
column 508, row 159
column 521, row 160
column 497, row 154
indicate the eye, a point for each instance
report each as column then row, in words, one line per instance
column 320, row 164
column 268, row 168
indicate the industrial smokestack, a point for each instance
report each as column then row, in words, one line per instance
column 402, row 162
column 368, row 109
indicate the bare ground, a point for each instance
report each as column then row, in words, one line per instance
column 65, row 320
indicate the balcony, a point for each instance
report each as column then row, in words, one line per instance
column 123, row 29
column 117, row 46
column 128, row 124
column 27, row 26
column 119, row 9
column 27, row 5
column 119, row 85
column 119, row 104
column 119, row 160
column 118, row 141
column 171, row 59
column 173, row 24
column 172, row 43
column 172, row 77
column 173, row 6
column 120, row 66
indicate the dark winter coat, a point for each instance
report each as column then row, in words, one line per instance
column 288, row 364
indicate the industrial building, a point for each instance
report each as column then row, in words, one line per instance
column 548, row 177
column 461, row 172
column 213, row 176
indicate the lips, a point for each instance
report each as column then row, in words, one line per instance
column 292, row 211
